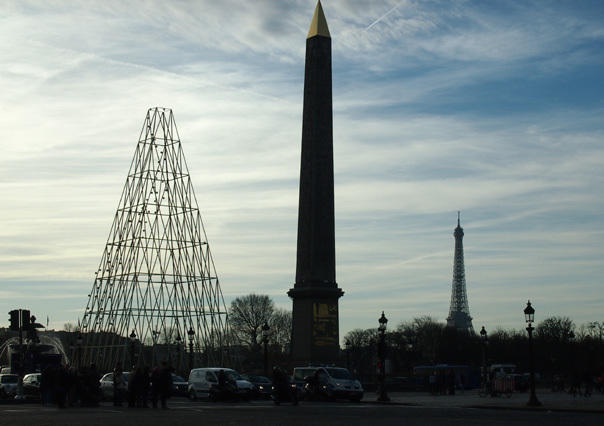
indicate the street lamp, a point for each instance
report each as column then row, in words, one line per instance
column 409, row 356
column 348, row 345
column 191, row 336
column 529, row 315
column 573, row 379
column 382, row 358
column 132, row 343
column 178, row 342
column 485, row 343
column 266, row 331
column 79, row 341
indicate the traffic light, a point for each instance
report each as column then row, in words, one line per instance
column 381, row 350
column 25, row 319
column 14, row 320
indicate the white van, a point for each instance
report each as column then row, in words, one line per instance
column 200, row 380
column 335, row 382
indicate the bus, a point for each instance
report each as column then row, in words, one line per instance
column 466, row 377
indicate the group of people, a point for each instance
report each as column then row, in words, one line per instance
column 143, row 384
column 443, row 383
column 66, row 386
column 575, row 384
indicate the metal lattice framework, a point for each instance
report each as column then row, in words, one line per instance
column 156, row 283
column 459, row 312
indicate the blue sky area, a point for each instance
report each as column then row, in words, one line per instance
column 490, row 108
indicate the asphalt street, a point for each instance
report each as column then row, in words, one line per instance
column 185, row 412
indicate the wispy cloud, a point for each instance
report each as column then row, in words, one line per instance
column 494, row 111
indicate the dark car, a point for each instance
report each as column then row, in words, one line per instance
column 520, row 382
column 262, row 385
column 180, row 387
column 31, row 386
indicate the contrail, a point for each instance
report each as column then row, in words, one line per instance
column 383, row 16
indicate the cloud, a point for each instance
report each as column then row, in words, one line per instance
column 492, row 110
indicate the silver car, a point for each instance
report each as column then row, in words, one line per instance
column 8, row 385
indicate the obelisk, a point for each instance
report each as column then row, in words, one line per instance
column 315, row 334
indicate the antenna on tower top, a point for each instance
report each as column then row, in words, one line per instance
column 457, row 217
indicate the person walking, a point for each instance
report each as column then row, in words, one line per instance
column 118, row 384
column 165, row 384
column 451, row 382
column 94, row 384
column 145, row 386
column 154, row 386
column 588, row 379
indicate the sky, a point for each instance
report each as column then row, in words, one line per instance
column 493, row 109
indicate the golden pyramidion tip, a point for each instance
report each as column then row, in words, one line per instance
column 318, row 26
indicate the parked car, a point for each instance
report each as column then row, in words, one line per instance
column 331, row 383
column 301, row 373
column 106, row 388
column 262, row 385
column 200, row 380
column 520, row 383
column 180, row 387
column 31, row 385
column 8, row 385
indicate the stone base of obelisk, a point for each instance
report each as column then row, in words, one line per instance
column 315, row 331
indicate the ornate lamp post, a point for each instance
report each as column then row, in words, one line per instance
column 485, row 343
column 529, row 315
column 571, row 340
column 178, row 343
column 348, row 345
column 409, row 356
column 266, row 331
column 191, row 336
column 79, row 341
column 132, row 347
column 382, row 358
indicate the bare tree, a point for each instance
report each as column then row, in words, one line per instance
column 247, row 315
column 362, row 346
column 554, row 329
column 426, row 333
column 281, row 328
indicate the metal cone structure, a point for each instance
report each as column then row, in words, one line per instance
column 156, row 295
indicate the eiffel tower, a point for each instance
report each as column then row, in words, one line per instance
column 459, row 312
column 156, row 294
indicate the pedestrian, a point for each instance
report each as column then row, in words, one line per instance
column 432, row 384
column 61, row 385
column 94, row 384
column 451, row 382
column 47, row 384
column 145, row 386
column 441, row 383
column 165, row 384
column 118, row 384
column 154, row 387
column 575, row 384
column 73, row 386
column 133, row 386
column 588, row 379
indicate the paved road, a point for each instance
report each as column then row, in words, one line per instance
column 184, row 412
